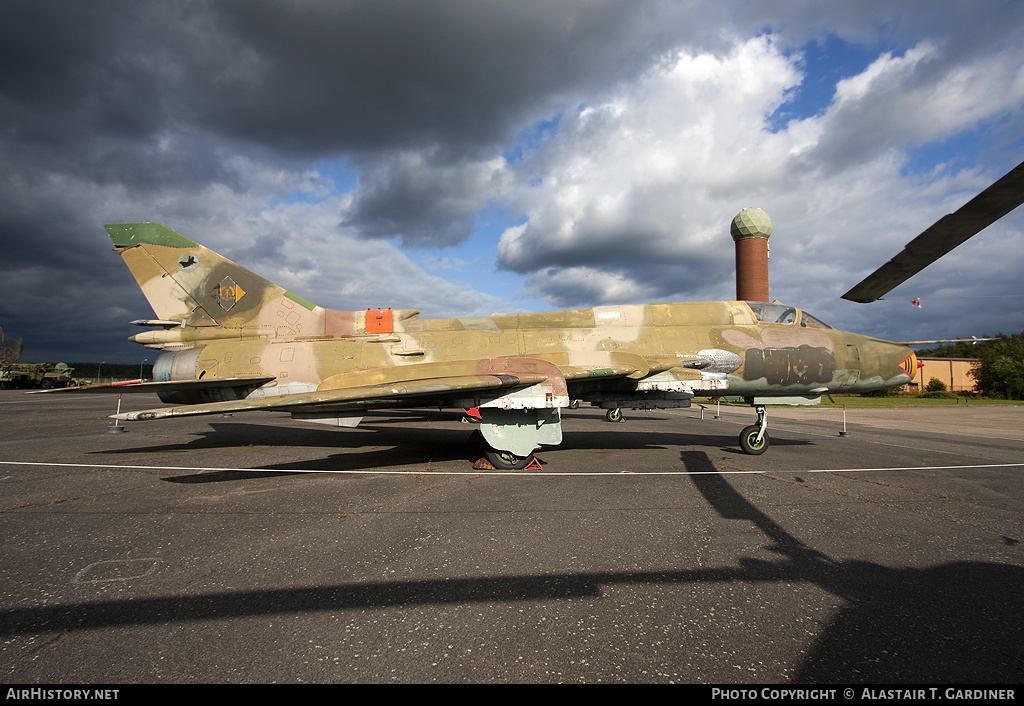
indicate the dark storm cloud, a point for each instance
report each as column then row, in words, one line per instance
column 57, row 75
column 69, row 77
column 418, row 198
column 95, row 84
column 152, row 95
column 632, row 282
column 367, row 75
column 313, row 77
column 594, row 243
column 421, row 94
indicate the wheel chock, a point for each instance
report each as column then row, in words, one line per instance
column 482, row 464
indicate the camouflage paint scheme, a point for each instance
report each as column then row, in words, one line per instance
column 237, row 342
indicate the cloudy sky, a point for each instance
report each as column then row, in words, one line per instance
column 470, row 157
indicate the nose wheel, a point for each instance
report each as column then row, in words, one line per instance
column 754, row 439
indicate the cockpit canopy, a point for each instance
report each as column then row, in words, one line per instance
column 771, row 313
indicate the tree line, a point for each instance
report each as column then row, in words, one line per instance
column 1000, row 371
column 117, row 371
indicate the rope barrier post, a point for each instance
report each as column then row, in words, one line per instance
column 116, row 428
column 844, row 432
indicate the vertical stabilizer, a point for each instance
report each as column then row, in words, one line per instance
column 190, row 284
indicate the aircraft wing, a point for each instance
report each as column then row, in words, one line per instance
column 947, row 233
column 489, row 380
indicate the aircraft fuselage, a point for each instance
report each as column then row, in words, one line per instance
column 707, row 348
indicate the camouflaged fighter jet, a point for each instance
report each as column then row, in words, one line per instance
column 235, row 342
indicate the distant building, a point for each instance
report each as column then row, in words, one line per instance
column 955, row 372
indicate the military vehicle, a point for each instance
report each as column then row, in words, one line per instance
column 35, row 375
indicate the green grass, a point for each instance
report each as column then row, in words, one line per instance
column 856, row 401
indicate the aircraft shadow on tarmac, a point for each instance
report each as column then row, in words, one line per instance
column 959, row 622
column 953, row 623
column 387, row 442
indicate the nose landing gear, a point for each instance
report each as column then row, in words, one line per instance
column 754, row 439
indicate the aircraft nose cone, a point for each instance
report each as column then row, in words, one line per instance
column 909, row 365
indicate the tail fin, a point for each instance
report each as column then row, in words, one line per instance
column 188, row 283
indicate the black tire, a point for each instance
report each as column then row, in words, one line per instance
column 748, row 441
column 506, row 460
column 613, row 415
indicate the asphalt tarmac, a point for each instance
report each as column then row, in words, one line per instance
column 257, row 549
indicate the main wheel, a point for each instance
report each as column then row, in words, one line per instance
column 506, row 460
column 613, row 415
column 749, row 442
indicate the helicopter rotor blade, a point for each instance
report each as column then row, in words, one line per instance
column 945, row 234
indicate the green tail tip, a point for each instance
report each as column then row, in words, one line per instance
column 126, row 235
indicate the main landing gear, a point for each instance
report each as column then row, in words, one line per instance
column 754, row 439
column 513, row 434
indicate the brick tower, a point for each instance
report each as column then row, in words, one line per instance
column 750, row 229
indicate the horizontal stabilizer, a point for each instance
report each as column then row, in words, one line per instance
column 171, row 386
